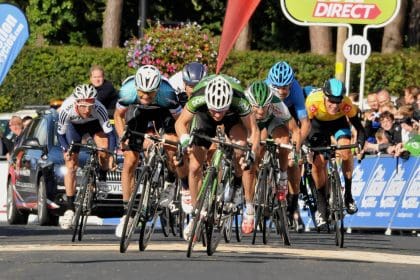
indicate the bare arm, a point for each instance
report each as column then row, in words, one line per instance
column 119, row 120
column 254, row 133
column 183, row 121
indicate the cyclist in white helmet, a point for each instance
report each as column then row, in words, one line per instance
column 80, row 114
column 147, row 103
column 219, row 100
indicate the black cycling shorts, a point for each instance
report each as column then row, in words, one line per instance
column 322, row 131
column 75, row 132
column 205, row 124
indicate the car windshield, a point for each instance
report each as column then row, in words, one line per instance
column 4, row 127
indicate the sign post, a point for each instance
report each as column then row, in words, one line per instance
column 373, row 13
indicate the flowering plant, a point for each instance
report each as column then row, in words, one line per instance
column 170, row 49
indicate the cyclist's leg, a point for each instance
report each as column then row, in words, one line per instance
column 238, row 135
column 101, row 141
column 280, row 134
column 344, row 138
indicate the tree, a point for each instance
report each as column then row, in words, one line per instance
column 393, row 33
column 243, row 42
column 413, row 24
column 321, row 39
column 111, row 29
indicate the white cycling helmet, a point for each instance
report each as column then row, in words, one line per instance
column 218, row 94
column 147, row 78
column 84, row 91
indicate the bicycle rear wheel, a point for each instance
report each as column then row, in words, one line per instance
column 134, row 209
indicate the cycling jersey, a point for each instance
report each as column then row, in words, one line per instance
column 165, row 98
column 315, row 104
column 276, row 109
column 296, row 100
column 69, row 116
column 176, row 82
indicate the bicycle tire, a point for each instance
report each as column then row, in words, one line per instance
column 259, row 205
column 238, row 227
column 197, row 219
column 283, row 224
column 133, row 207
column 84, row 206
column 338, row 210
column 148, row 222
column 215, row 225
column 227, row 230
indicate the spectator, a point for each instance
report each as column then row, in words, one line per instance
column 404, row 117
column 392, row 129
column 410, row 95
column 388, row 106
column 10, row 141
column 383, row 97
column 372, row 118
column 107, row 94
column 26, row 121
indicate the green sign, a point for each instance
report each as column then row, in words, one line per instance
column 372, row 12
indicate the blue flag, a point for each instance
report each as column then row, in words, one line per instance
column 14, row 31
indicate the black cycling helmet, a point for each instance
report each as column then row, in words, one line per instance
column 193, row 72
column 334, row 90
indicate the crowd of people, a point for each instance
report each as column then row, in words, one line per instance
column 277, row 107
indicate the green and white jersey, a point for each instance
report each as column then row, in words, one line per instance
column 276, row 110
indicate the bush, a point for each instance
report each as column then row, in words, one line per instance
column 42, row 73
column 170, row 48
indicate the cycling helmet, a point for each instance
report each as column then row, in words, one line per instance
column 193, row 72
column 147, row 78
column 280, row 75
column 218, row 94
column 259, row 94
column 82, row 92
column 334, row 90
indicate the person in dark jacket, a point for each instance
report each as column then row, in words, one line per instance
column 107, row 94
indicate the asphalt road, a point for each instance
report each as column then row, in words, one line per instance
column 34, row 252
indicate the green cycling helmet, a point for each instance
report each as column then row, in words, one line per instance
column 259, row 94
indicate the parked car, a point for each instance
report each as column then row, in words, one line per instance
column 36, row 175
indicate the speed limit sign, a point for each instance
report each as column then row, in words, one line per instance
column 356, row 49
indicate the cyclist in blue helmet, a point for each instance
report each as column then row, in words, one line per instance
column 184, row 81
column 282, row 80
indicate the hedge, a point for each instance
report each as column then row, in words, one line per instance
column 42, row 73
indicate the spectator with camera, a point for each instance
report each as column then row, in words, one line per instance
column 372, row 118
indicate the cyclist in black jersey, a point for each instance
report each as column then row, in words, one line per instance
column 147, row 104
column 219, row 100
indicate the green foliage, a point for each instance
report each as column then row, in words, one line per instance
column 42, row 73
column 170, row 48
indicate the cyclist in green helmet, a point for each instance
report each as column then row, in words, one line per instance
column 273, row 119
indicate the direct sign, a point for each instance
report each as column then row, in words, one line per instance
column 356, row 49
column 373, row 12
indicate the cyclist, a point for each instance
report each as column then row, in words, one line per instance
column 272, row 118
column 330, row 112
column 281, row 79
column 217, row 100
column 80, row 114
column 184, row 82
column 147, row 103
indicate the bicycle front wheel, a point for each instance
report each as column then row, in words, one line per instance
column 133, row 210
column 338, row 210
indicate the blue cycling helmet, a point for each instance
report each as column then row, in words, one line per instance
column 334, row 90
column 193, row 72
column 280, row 75
column 128, row 92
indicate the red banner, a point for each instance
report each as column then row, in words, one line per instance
column 237, row 15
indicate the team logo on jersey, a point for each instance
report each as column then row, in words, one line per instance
column 313, row 109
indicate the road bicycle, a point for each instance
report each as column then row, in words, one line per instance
column 335, row 205
column 86, row 198
column 269, row 210
column 212, row 212
column 143, row 210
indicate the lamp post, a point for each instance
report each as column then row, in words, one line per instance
column 142, row 17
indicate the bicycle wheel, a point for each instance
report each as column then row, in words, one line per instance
column 337, row 210
column 215, row 225
column 260, row 205
column 84, row 200
column 133, row 209
column 151, row 213
column 282, row 222
column 198, row 219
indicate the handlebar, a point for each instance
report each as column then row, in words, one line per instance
column 91, row 147
column 128, row 132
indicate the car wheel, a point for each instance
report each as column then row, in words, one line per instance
column 14, row 215
column 45, row 218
